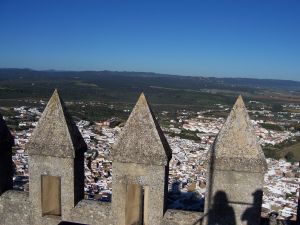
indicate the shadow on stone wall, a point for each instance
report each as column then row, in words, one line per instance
column 221, row 212
column 189, row 201
column 250, row 213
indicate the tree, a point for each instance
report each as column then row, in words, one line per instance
column 277, row 108
column 290, row 156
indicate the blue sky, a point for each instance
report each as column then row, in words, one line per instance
column 244, row 38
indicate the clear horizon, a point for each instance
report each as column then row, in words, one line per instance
column 133, row 71
column 251, row 39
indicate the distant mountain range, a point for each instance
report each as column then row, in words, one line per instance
column 185, row 81
column 124, row 87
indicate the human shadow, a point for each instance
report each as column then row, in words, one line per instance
column 252, row 214
column 188, row 201
column 221, row 213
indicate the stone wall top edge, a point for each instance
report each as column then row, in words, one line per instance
column 15, row 195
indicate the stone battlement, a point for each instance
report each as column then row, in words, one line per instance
column 141, row 156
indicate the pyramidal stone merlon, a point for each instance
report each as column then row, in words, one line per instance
column 56, row 133
column 236, row 146
column 236, row 170
column 142, row 140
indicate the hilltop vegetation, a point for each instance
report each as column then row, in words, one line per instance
column 164, row 91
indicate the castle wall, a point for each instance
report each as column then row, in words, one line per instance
column 92, row 212
column 87, row 212
column 180, row 217
column 52, row 166
column 235, row 197
column 6, row 169
column 15, row 208
column 78, row 177
column 140, row 175
column 150, row 176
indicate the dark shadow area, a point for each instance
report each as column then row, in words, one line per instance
column 95, row 195
column 221, row 213
column 273, row 220
column 6, row 166
column 20, row 182
column 70, row 223
column 250, row 214
column 188, row 201
column 264, row 221
column 298, row 209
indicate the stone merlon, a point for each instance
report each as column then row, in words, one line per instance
column 142, row 140
column 236, row 146
column 56, row 134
